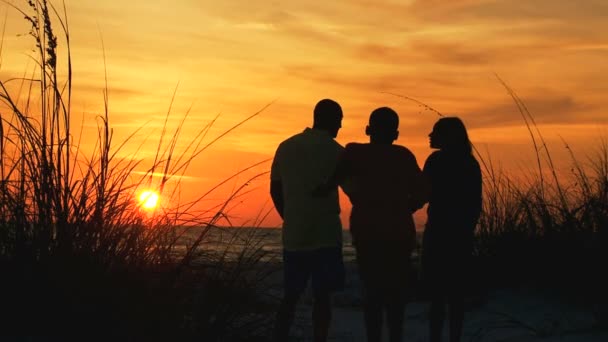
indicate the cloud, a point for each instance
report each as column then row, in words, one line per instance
column 545, row 109
column 539, row 21
column 166, row 175
column 599, row 47
column 96, row 89
column 316, row 31
column 510, row 10
column 444, row 6
column 364, row 82
column 384, row 53
column 466, row 51
column 454, row 53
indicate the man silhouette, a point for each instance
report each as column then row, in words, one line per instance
column 385, row 186
column 312, row 231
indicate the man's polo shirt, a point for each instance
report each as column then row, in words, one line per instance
column 302, row 163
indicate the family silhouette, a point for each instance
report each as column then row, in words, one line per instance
column 385, row 186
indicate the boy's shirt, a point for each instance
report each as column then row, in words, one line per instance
column 385, row 185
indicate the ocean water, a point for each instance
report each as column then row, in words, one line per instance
column 268, row 240
column 236, row 239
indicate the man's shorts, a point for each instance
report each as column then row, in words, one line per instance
column 323, row 265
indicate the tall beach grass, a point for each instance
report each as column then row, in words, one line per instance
column 78, row 256
column 549, row 227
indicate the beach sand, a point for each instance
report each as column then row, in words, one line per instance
column 498, row 315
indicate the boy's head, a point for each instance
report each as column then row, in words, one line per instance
column 383, row 125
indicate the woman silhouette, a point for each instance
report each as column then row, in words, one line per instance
column 453, row 211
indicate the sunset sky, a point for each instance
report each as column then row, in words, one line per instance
column 234, row 57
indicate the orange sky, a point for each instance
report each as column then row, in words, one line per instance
column 234, row 57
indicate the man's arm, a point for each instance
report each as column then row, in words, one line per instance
column 337, row 178
column 343, row 173
column 276, row 186
column 276, row 192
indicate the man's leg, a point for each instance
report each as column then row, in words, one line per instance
column 284, row 317
column 372, row 310
column 321, row 316
column 327, row 277
column 297, row 271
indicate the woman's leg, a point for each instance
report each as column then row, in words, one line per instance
column 456, row 316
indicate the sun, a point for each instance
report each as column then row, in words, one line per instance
column 149, row 199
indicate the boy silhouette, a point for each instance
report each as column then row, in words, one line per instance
column 385, row 186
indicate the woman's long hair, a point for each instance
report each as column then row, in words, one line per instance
column 453, row 134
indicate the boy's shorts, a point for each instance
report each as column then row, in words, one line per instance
column 323, row 265
column 384, row 269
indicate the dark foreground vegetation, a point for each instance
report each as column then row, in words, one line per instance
column 78, row 256
column 79, row 259
column 547, row 229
